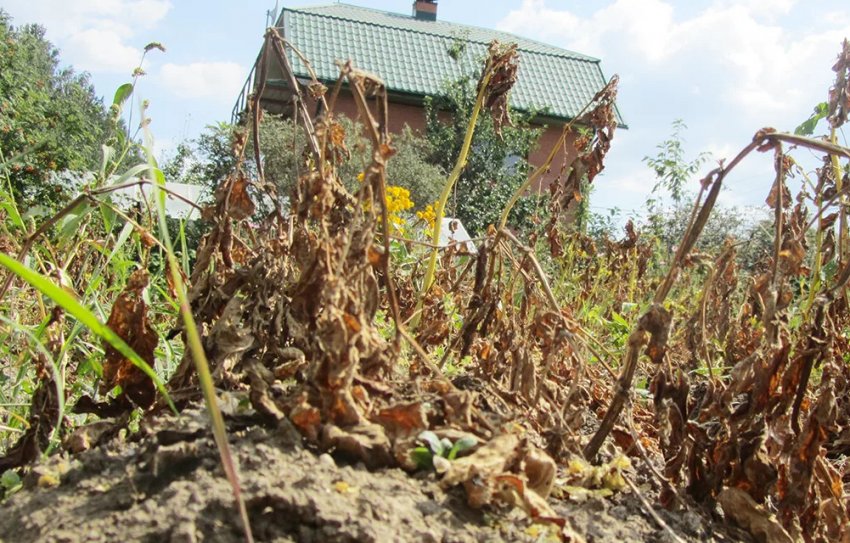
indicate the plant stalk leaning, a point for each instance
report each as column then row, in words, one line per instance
column 440, row 208
column 194, row 340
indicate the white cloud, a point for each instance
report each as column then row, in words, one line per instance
column 763, row 8
column 98, row 36
column 217, row 81
column 102, row 51
column 727, row 67
column 765, row 68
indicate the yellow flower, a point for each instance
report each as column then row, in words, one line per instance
column 398, row 200
column 428, row 215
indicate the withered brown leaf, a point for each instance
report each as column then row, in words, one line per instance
column 743, row 509
column 403, row 419
column 129, row 319
column 240, row 205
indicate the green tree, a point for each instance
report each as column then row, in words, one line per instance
column 412, row 169
column 668, row 222
column 205, row 160
column 50, row 118
column 497, row 165
column 671, row 169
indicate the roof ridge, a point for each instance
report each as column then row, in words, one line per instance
column 308, row 10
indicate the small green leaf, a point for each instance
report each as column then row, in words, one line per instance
column 131, row 174
column 807, row 128
column 10, row 481
column 463, row 444
column 70, row 224
column 616, row 317
column 431, row 439
column 108, row 152
column 13, row 214
column 122, row 93
column 109, row 216
column 423, row 457
column 122, row 238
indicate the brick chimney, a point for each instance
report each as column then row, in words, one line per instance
column 425, row 10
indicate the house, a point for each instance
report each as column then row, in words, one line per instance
column 411, row 53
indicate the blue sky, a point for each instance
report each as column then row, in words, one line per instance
column 727, row 68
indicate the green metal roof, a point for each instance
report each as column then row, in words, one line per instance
column 411, row 55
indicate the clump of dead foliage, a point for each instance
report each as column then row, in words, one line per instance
column 748, row 381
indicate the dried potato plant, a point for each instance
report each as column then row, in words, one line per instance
column 287, row 305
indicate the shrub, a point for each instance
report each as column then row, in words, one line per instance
column 497, row 164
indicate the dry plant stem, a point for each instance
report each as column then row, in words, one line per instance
column 439, row 210
column 423, row 355
column 834, row 150
column 818, row 261
column 645, row 457
column 646, row 505
column 586, row 338
column 839, row 188
column 335, row 91
column 829, row 148
column 304, row 62
column 273, row 37
column 256, row 107
column 771, row 328
column 637, row 339
column 538, row 173
column 638, row 336
column 709, row 284
column 379, row 181
column 541, row 276
column 715, row 178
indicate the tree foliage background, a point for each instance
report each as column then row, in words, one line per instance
column 497, row 165
column 51, row 121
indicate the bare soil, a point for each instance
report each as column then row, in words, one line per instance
column 166, row 484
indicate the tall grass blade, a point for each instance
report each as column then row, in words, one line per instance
column 199, row 356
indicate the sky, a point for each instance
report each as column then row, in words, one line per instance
column 725, row 67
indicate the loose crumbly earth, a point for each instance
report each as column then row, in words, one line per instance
column 168, row 486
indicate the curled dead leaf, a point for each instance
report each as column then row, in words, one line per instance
column 540, row 470
column 307, row 419
column 746, row 513
column 129, row 319
column 403, row 419
column 239, row 204
column 365, row 442
column 485, row 464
